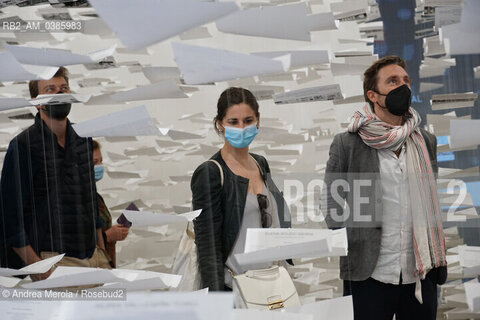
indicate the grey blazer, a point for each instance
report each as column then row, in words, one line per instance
column 351, row 159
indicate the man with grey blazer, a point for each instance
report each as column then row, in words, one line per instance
column 381, row 186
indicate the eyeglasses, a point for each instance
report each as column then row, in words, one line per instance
column 263, row 205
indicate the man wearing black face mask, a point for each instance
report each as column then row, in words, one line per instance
column 396, row 245
column 58, row 111
column 48, row 193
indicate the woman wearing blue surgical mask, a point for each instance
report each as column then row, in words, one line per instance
column 235, row 192
column 111, row 234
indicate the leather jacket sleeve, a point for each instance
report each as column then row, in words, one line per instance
column 207, row 195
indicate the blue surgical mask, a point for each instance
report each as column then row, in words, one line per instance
column 98, row 172
column 241, row 138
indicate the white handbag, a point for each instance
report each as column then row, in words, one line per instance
column 185, row 263
column 268, row 289
column 186, row 259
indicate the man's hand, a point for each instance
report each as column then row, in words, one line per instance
column 41, row 276
column 28, row 255
column 116, row 233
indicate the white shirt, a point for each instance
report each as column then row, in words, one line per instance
column 396, row 248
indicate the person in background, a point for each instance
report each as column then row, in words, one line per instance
column 111, row 234
column 247, row 198
column 48, row 203
column 396, row 246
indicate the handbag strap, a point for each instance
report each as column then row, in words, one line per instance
column 219, row 168
column 259, row 167
column 188, row 230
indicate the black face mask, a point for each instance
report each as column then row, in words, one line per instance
column 398, row 100
column 58, row 111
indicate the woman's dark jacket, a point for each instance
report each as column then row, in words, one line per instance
column 217, row 227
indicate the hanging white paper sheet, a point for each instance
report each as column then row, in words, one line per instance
column 142, row 23
column 12, row 70
column 52, row 99
column 464, row 133
column 472, row 292
column 73, row 276
column 13, row 103
column 56, row 57
column 147, row 218
column 299, row 58
column 320, row 93
column 316, row 248
column 41, row 266
column 282, row 22
column 131, row 122
column 200, row 65
column 338, row 309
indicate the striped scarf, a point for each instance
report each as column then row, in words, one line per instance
column 428, row 237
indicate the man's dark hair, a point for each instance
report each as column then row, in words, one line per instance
column 370, row 75
column 33, row 85
column 233, row 96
